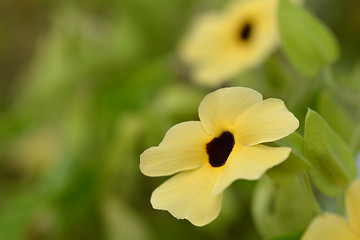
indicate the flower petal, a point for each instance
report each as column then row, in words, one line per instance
column 183, row 148
column 213, row 73
column 265, row 121
column 196, row 45
column 213, row 47
column 209, row 49
column 249, row 163
column 330, row 227
column 188, row 195
column 219, row 109
column 353, row 205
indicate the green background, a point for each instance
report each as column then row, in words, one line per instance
column 87, row 86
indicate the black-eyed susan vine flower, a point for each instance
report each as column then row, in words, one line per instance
column 210, row 154
column 219, row 45
column 334, row 227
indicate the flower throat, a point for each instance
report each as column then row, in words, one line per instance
column 245, row 31
column 220, row 148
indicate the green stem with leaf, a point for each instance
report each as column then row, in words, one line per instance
column 341, row 92
column 305, row 179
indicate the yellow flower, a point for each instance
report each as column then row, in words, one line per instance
column 220, row 45
column 330, row 226
column 220, row 148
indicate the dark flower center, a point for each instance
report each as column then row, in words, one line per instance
column 245, row 31
column 220, row 148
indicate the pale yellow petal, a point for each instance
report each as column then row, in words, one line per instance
column 209, row 51
column 329, row 227
column 353, row 205
column 188, row 196
column 249, row 163
column 263, row 16
column 265, row 121
column 219, row 109
column 196, row 45
column 183, row 148
column 213, row 48
column 214, row 73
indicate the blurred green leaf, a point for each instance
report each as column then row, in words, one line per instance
column 306, row 41
column 296, row 236
column 122, row 221
column 336, row 116
column 348, row 77
column 273, row 205
column 332, row 163
column 285, row 172
column 178, row 100
column 18, row 210
column 296, row 142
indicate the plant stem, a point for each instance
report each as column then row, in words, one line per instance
column 340, row 203
column 341, row 92
column 355, row 138
column 347, row 96
column 314, row 203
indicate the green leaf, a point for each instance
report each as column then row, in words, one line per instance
column 296, row 236
column 279, row 210
column 296, row 142
column 307, row 42
column 336, row 116
column 333, row 166
column 286, row 172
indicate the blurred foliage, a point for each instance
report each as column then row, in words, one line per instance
column 86, row 86
column 274, row 205
column 309, row 47
column 320, row 143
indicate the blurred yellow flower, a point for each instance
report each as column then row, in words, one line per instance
column 212, row 153
column 334, row 227
column 220, row 45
